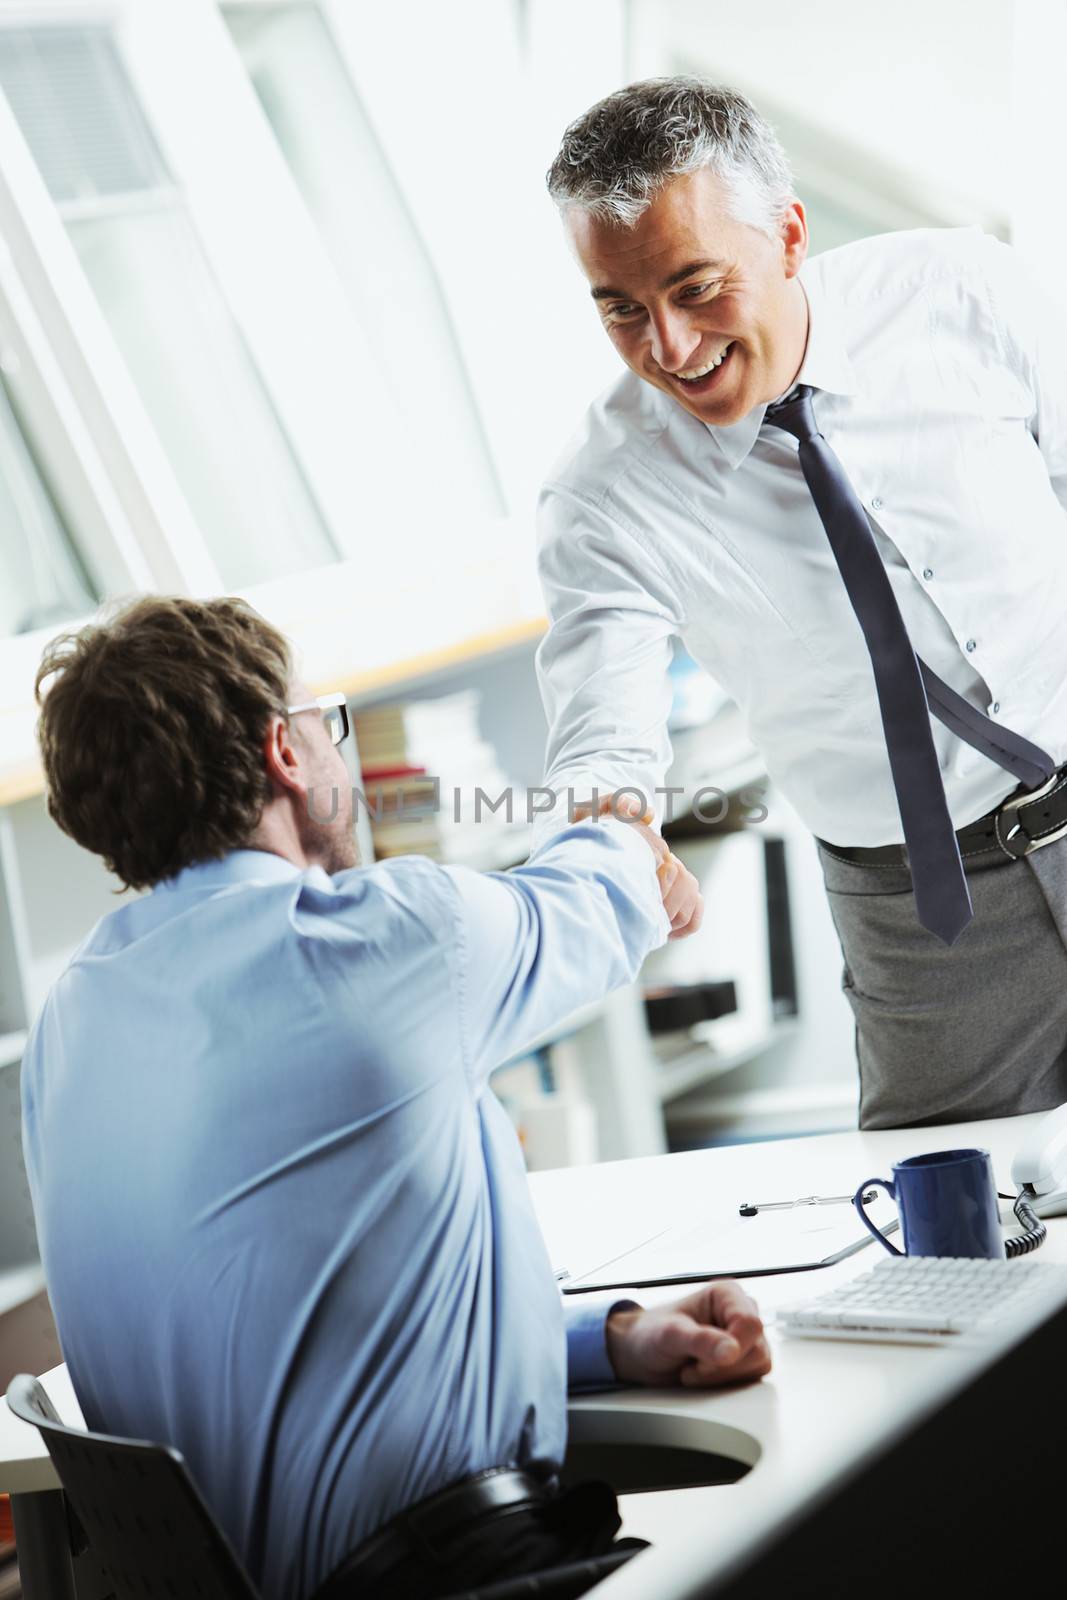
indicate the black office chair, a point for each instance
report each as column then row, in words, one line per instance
column 145, row 1521
column 141, row 1511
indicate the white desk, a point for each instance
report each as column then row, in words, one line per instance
column 820, row 1408
column 824, row 1403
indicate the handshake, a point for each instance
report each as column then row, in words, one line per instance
column 679, row 890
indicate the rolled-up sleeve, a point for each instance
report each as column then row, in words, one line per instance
column 603, row 667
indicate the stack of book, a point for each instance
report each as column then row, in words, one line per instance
column 433, row 786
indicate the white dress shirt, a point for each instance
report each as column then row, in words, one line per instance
column 939, row 369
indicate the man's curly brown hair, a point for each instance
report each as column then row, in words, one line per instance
column 151, row 731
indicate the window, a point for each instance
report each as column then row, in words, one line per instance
column 136, row 243
column 42, row 580
column 344, row 176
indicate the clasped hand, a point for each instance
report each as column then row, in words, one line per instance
column 679, row 890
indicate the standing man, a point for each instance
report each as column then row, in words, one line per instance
column 842, row 482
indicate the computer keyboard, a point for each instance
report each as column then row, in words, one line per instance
column 920, row 1300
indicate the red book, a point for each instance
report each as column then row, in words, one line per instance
column 378, row 774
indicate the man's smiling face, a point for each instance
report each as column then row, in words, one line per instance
column 687, row 283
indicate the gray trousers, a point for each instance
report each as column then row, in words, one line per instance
column 950, row 1033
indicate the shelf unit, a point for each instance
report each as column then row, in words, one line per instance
column 631, row 1076
column 771, row 1112
column 604, row 1053
column 689, row 1065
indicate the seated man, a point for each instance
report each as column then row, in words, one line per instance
column 285, row 1223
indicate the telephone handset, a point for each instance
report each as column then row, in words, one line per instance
column 1039, row 1173
column 1040, row 1166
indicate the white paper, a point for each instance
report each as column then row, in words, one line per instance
column 801, row 1236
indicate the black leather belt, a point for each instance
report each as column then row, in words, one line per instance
column 1021, row 824
column 499, row 1491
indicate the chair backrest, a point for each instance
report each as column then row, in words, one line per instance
column 140, row 1509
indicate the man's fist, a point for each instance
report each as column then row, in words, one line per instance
column 710, row 1338
column 679, row 890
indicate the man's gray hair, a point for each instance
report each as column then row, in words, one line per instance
column 616, row 156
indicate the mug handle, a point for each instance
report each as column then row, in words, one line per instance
column 857, row 1201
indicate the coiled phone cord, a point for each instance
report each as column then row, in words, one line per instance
column 1035, row 1233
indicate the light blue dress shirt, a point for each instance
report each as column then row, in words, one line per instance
column 284, row 1221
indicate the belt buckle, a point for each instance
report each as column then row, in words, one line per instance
column 1008, row 840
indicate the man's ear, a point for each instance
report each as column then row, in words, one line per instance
column 280, row 756
column 794, row 237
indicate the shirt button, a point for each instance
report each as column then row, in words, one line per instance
column 972, row 644
column 876, row 504
column 996, row 705
column 928, row 573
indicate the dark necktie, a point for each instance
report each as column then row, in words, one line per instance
column 908, row 690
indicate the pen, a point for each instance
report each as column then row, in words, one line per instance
column 748, row 1210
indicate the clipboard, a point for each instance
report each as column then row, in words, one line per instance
column 801, row 1239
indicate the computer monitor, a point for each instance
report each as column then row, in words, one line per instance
column 964, row 1500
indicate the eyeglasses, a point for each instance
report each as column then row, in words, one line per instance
column 334, row 708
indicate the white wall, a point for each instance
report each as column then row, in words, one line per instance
column 926, row 87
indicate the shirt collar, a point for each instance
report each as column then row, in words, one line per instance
column 825, row 366
column 240, row 866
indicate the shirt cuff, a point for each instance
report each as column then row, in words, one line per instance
column 588, row 1363
column 640, row 854
column 547, row 823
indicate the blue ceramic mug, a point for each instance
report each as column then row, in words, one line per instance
column 947, row 1203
